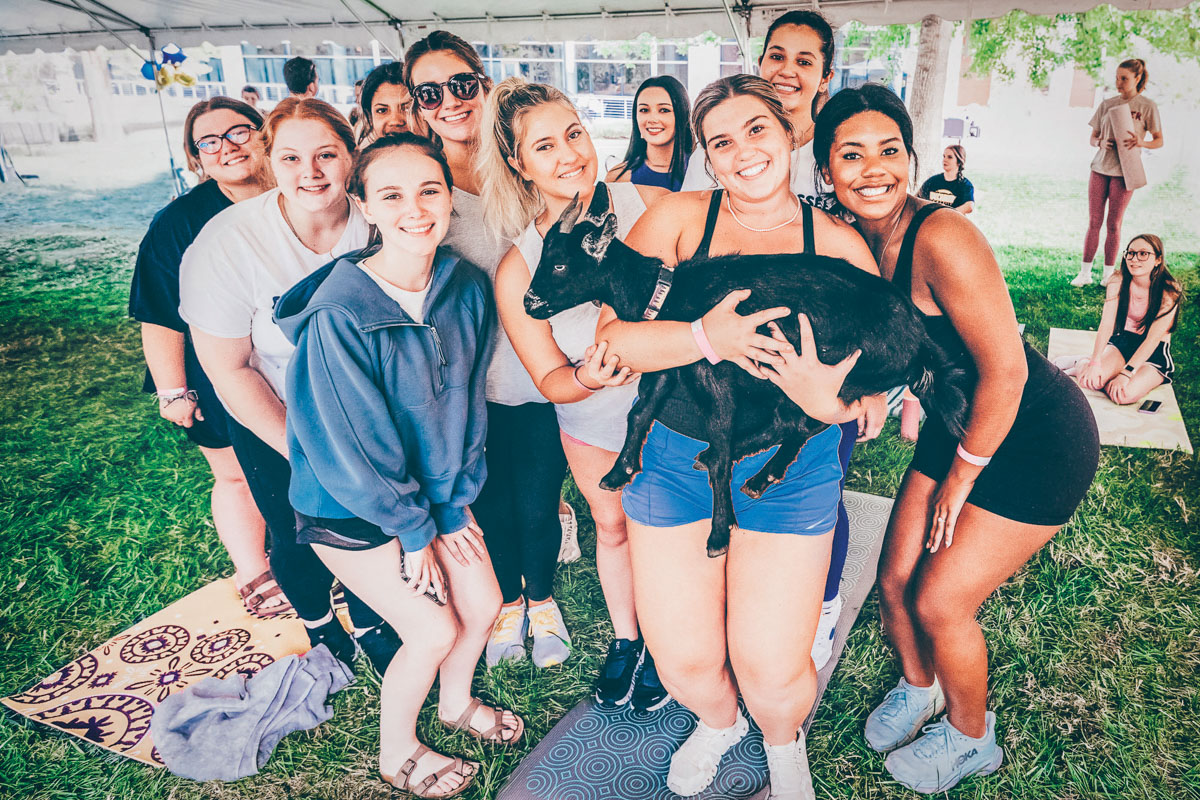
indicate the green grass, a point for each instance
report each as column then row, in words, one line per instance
column 1095, row 645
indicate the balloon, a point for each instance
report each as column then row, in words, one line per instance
column 172, row 54
column 148, row 70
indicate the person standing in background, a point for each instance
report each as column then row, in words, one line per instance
column 661, row 142
column 951, row 188
column 301, row 78
column 1106, row 186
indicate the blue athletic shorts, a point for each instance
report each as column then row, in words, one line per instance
column 669, row 491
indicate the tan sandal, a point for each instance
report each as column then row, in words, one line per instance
column 467, row 769
column 493, row 734
column 253, row 597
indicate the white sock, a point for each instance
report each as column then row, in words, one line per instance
column 918, row 689
column 1109, row 269
column 316, row 623
column 1086, row 269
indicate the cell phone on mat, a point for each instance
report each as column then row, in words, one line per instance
column 1150, row 406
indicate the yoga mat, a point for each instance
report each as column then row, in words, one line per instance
column 108, row 695
column 622, row 754
column 1125, row 426
column 1132, row 169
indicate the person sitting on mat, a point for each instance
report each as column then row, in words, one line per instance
column 386, row 425
column 1132, row 354
column 970, row 512
column 951, row 188
column 532, row 138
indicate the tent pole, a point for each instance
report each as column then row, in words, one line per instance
column 176, row 178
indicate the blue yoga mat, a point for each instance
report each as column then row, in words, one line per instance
column 622, row 754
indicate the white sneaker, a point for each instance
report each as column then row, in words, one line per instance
column 822, row 649
column 695, row 763
column 1083, row 278
column 507, row 641
column 1109, row 274
column 898, row 719
column 551, row 642
column 788, row 766
column 568, row 551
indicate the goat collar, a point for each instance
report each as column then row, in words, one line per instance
column 665, row 276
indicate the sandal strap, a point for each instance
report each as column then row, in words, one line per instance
column 456, row 766
column 490, row 733
column 249, row 588
column 464, row 720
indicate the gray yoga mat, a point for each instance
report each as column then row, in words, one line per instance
column 622, row 754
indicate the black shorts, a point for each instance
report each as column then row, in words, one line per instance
column 1042, row 470
column 1127, row 342
column 344, row 534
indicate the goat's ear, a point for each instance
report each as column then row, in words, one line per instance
column 596, row 244
column 570, row 215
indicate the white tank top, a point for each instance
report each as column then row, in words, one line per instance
column 468, row 237
column 599, row 418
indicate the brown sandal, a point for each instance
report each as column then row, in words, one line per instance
column 493, row 734
column 253, row 599
column 468, row 770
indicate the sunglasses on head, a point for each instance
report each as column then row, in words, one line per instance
column 238, row 134
column 464, row 86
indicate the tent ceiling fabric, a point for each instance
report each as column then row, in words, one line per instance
column 52, row 25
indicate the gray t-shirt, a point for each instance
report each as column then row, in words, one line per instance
column 507, row 381
column 1145, row 118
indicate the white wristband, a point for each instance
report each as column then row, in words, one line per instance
column 172, row 392
column 971, row 458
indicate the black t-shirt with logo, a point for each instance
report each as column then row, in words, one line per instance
column 949, row 193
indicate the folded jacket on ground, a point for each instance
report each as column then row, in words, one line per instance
column 227, row 728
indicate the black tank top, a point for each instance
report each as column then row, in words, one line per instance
column 1042, row 374
column 678, row 412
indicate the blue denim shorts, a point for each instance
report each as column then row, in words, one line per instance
column 669, row 491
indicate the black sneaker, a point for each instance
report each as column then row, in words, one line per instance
column 615, row 684
column 379, row 644
column 333, row 636
column 648, row 692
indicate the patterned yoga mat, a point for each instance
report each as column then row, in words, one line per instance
column 1125, row 426
column 598, row 754
column 108, row 695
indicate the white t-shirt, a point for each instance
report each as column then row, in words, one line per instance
column 239, row 265
column 803, row 175
column 413, row 303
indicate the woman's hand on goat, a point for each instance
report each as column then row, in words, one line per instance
column 872, row 413
column 600, row 368
column 947, row 503
column 736, row 338
column 808, row 382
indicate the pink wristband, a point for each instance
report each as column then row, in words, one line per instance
column 581, row 384
column 702, row 342
column 971, row 458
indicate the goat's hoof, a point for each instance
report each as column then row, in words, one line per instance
column 615, row 481
column 753, row 492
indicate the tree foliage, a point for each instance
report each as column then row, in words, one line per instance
column 1033, row 46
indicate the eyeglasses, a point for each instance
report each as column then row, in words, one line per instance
column 464, row 86
column 1139, row 255
column 238, row 134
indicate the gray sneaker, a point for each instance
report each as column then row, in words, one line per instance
column 898, row 719
column 507, row 642
column 551, row 642
column 943, row 756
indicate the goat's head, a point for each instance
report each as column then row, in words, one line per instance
column 571, row 271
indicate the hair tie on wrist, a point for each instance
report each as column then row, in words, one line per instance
column 702, row 342
column 581, row 384
column 172, row 392
column 971, row 458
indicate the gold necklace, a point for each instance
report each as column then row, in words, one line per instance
column 896, row 224
column 789, row 221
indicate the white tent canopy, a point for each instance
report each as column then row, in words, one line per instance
column 51, row 25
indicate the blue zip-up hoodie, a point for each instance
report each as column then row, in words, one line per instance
column 385, row 415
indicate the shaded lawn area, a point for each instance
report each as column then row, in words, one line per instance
column 1095, row 646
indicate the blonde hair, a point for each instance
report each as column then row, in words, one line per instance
column 509, row 201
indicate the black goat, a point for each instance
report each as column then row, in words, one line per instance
column 849, row 310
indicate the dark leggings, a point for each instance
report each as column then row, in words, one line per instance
column 841, row 531
column 518, row 505
column 304, row 579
